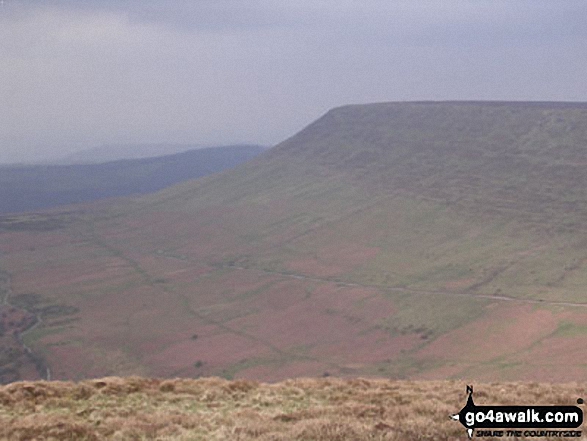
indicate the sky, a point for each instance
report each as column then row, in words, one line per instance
column 80, row 74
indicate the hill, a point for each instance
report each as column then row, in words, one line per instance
column 116, row 152
column 26, row 188
column 406, row 240
column 301, row 409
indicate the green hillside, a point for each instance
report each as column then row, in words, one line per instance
column 407, row 240
column 453, row 190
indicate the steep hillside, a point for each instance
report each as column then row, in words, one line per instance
column 409, row 240
column 490, row 157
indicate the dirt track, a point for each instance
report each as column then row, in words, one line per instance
column 409, row 290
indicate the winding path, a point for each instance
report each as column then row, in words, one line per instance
column 467, row 293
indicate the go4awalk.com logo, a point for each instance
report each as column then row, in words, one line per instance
column 519, row 421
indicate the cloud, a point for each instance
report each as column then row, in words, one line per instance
column 78, row 74
column 520, row 19
column 214, row 15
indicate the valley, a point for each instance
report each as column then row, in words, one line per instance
column 399, row 240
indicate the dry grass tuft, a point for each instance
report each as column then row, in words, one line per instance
column 326, row 409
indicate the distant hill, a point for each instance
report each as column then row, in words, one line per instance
column 25, row 188
column 115, row 152
column 427, row 240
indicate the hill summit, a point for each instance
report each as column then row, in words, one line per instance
column 529, row 157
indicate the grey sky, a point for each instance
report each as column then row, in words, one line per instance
column 77, row 74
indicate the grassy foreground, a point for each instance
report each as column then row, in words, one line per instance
column 216, row 409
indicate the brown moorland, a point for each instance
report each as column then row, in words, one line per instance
column 327, row 409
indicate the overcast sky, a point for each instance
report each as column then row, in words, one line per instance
column 79, row 74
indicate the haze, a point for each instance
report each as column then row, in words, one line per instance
column 76, row 76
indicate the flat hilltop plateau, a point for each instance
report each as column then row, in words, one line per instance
column 324, row 409
column 417, row 241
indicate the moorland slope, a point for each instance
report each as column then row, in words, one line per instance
column 408, row 240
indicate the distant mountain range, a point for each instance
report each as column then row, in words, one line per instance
column 107, row 153
column 25, row 188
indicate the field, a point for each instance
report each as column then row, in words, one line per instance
column 122, row 297
column 326, row 409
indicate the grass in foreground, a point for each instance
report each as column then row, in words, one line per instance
column 215, row 409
